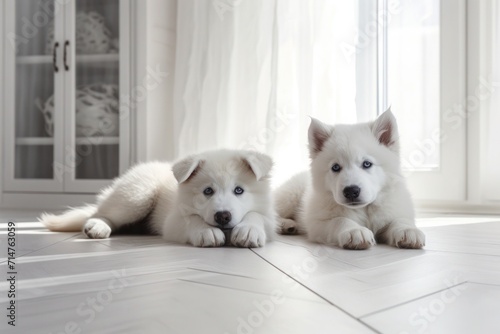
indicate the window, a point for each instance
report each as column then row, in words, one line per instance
column 421, row 76
column 344, row 62
column 439, row 69
column 412, row 67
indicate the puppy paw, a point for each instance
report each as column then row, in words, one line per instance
column 410, row 237
column 208, row 237
column 96, row 228
column 356, row 238
column 288, row 226
column 248, row 236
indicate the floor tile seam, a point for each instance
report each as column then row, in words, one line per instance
column 369, row 314
column 357, row 319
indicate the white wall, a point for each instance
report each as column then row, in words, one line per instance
column 2, row 42
column 155, row 52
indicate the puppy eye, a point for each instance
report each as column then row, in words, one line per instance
column 336, row 168
column 238, row 190
column 367, row 164
column 208, row 191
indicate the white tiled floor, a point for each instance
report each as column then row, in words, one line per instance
column 69, row 284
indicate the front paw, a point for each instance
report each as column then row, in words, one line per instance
column 410, row 237
column 207, row 237
column 356, row 238
column 248, row 236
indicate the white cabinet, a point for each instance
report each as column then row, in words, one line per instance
column 66, row 84
column 48, row 164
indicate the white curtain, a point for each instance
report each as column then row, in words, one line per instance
column 249, row 72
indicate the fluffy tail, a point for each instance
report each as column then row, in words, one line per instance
column 71, row 220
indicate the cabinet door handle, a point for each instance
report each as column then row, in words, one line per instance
column 66, row 44
column 54, row 57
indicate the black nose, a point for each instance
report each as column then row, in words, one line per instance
column 222, row 217
column 351, row 192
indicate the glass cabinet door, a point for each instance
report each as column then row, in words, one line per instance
column 67, row 68
column 33, row 121
column 96, row 28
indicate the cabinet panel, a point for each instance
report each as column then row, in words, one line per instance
column 33, row 123
column 97, row 58
column 67, row 73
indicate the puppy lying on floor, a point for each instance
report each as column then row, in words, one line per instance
column 354, row 193
column 194, row 201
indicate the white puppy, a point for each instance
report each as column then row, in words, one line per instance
column 355, row 193
column 194, row 201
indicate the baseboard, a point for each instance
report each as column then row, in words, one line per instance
column 457, row 207
column 43, row 201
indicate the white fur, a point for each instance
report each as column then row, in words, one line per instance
column 314, row 203
column 171, row 200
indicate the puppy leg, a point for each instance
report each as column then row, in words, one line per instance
column 288, row 202
column 118, row 207
column 97, row 228
column 192, row 230
column 288, row 226
column 342, row 232
column 401, row 235
column 250, row 232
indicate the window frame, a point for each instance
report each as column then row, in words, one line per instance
column 448, row 183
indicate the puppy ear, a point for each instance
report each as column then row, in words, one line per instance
column 260, row 164
column 186, row 168
column 318, row 133
column 385, row 129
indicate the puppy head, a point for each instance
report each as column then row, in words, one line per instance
column 222, row 186
column 354, row 162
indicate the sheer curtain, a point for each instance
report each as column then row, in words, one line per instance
column 249, row 73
